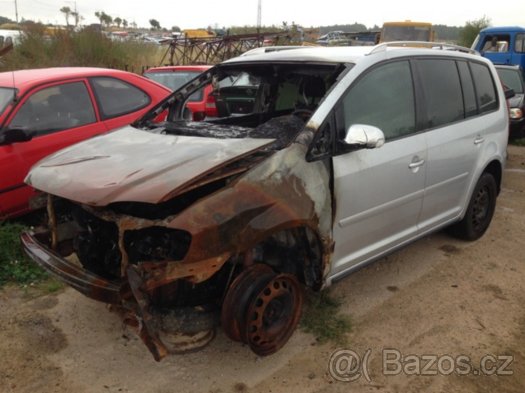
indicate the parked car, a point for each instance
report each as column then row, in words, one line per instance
column 512, row 77
column 173, row 77
column 345, row 155
column 44, row 110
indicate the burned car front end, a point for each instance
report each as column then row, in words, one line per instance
column 184, row 225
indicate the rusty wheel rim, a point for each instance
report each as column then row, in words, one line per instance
column 273, row 314
column 238, row 296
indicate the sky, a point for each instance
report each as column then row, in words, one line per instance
column 219, row 13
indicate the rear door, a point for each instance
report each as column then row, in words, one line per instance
column 119, row 102
column 58, row 115
column 379, row 192
column 458, row 121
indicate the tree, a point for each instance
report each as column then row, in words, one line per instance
column 98, row 14
column 77, row 17
column 118, row 21
column 124, row 23
column 175, row 28
column 104, row 18
column 154, row 24
column 471, row 29
column 67, row 13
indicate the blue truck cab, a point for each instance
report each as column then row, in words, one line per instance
column 502, row 45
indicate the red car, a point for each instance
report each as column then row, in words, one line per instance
column 44, row 110
column 174, row 77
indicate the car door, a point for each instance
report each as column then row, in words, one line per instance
column 379, row 192
column 57, row 115
column 455, row 133
column 119, row 103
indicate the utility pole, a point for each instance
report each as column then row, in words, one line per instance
column 259, row 16
column 16, row 12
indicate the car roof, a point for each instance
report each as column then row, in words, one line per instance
column 342, row 54
column 503, row 29
column 179, row 68
column 24, row 80
column 508, row 67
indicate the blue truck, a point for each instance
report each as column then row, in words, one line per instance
column 502, row 45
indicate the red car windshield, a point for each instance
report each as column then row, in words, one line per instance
column 174, row 80
column 6, row 95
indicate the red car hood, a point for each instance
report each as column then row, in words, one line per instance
column 136, row 166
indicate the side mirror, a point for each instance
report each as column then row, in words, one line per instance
column 10, row 136
column 509, row 93
column 364, row 135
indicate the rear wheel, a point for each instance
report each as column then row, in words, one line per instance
column 480, row 210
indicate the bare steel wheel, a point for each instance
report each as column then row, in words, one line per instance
column 238, row 296
column 273, row 314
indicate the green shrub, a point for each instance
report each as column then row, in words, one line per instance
column 15, row 266
column 87, row 48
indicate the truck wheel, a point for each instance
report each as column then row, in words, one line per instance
column 480, row 210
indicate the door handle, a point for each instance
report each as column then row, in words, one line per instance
column 479, row 140
column 416, row 164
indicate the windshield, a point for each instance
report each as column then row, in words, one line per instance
column 172, row 80
column 6, row 95
column 511, row 79
column 252, row 100
column 405, row 33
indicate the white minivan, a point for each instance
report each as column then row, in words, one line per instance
column 320, row 160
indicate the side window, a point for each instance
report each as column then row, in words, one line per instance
column 442, row 90
column 485, row 90
column 519, row 46
column 55, row 108
column 469, row 94
column 116, row 97
column 383, row 98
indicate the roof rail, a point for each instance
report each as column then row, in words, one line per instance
column 422, row 44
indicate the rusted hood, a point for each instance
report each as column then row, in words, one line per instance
column 133, row 165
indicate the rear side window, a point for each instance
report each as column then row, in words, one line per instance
column 116, row 97
column 485, row 89
column 519, row 46
column 383, row 98
column 469, row 94
column 442, row 90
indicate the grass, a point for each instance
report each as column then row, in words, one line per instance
column 322, row 319
column 517, row 142
column 15, row 266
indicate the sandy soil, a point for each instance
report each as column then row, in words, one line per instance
column 438, row 296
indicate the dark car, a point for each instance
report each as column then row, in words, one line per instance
column 512, row 77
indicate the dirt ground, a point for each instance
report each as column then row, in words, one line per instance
column 439, row 296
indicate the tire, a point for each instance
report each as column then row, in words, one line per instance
column 480, row 210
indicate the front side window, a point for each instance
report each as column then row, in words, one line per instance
column 383, row 98
column 442, row 91
column 55, row 108
column 6, row 96
column 485, row 89
column 116, row 97
column 519, row 46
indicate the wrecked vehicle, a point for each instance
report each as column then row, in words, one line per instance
column 315, row 167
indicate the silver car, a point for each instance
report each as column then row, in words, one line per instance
column 321, row 161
